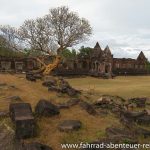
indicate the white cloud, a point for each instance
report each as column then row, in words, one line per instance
column 122, row 24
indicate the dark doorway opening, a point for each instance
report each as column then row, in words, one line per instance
column 84, row 65
column 75, row 65
column 107, row 69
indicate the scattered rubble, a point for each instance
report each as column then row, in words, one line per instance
column 46, row 108
column 143, row 120
column 140, row 102
column 133, row 116
column 49, row 83
column 142, row 132
column 30, row 77
column 87, row 107
column 112, row 132
column 73, row 101
column 68, row 104
column 21, row 115
column 69, row 125
column 104, row 102
column 109, row 104
column 61, row 86
column 37, row 76
column 102, row 112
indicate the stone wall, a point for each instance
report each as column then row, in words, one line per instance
column 129, row 67
column 98, row 63
column 17, row 64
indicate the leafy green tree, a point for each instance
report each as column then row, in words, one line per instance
column 148, row 66
column 31, row 52
column 69, row 54
column 84, row 51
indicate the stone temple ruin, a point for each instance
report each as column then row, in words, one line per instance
column 98, row 63
column 101, row 62
column 17, row 64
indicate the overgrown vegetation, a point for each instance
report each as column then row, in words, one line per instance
column 72, row 54
column 148, row 66
column 10, row 53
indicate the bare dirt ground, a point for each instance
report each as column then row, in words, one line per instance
column 93, row 126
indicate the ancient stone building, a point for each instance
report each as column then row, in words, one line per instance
column 98, row 63
column 131, row 66
column 101, row 62
column 17, row 64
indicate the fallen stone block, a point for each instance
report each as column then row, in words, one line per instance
column 140, row 102
column 143, row 120
column 73, row 101
column 54, row 88
column 103, row 104
column 72, row 92
column 21, row 115
column 121, row 135
column 37, row 76
column 30, row 77
column 69, row 125
column 111, row 131
column 87, row 107
column 49, row 83
column 46, row 108
column 133, row 116
column 142, row 132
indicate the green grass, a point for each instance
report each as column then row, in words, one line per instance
column 126, row 87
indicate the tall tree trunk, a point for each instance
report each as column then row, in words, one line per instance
column 46, row 69
column 52, row 66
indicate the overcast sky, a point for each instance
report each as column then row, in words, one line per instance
column 124, row 25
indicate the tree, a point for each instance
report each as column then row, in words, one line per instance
column 3, row 42
column 56, row 31
column 61, row 28
column 37, row 35
column 85, row 51
column 67, row 27
column 148, row 66
column 10, row 38
column 69, row 54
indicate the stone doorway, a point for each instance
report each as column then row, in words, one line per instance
column 84, row 65
column 75, row 65
column 107, row 68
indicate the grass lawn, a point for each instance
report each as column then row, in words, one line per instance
column 126, row 87
column 93, row 126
